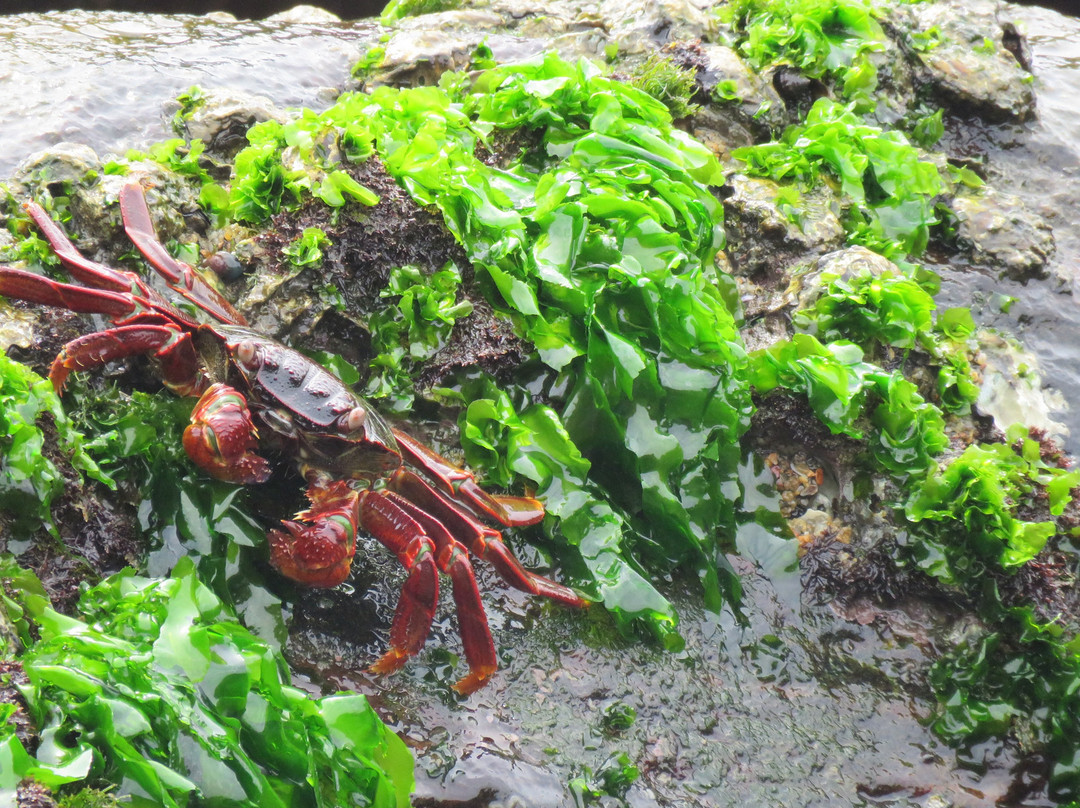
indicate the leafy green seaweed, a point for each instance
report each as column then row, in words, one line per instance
column 29, row 481
column 397, row 10
column 1021, row 672
column 888, row 187
column 159, row 690
column 971, row 506
column 263, row 184
column 833, row 38
column 413, row 329
column 598, row 244
column 841, row 388
column 892, row 308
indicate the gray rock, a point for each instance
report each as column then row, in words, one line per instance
column 62, row 163
column 763, row 240
column 742, row 101
column 418, row 56
column 847, row 263
column 221, row 120
column 971, row 67
column 1001, row 232
column 304, row 14
column 638, row 26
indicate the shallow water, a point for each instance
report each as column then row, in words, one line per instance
column 106, row 80
column 800, row 707
column 1027, row 160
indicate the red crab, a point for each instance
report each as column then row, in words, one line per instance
column 253, row 390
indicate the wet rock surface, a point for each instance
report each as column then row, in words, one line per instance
column 980, row 64
column 818, row 698
column 1001, row 232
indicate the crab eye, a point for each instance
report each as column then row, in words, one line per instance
column 245, row 353
column 354, row 419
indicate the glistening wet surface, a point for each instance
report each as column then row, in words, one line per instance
column 796, row 707
column 106, row 80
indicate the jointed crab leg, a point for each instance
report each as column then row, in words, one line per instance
column 82, row 268
column 400, row 533
column 181, row 277
column 422, row 543
column 461, row 484
column 153, row 335
column 23, row 285
column 170, row 346
column 484, row 542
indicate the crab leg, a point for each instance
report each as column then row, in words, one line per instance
column 484, row 542
column 458, row 483
column 82, row 268
column 168, row 344
column 422, row 543
column 181, row 277
column 23, row 285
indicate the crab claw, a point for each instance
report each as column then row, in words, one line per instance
column 319, row 553
column 220, row 437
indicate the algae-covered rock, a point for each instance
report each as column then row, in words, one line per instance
column 417, row 56
column 806, row 287
column 743, row 104
column 221, row 119
column 64, row 164
column 765, row 234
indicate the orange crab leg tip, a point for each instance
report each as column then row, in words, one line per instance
column 389, row 662
column 473, row 681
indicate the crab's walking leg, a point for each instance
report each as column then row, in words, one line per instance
column 82, row 268
column 23, row 285
column 170, row 346
column 483, row 541
column 221, row 437
column 180, row 276
column 423, row 544
column 459, row 483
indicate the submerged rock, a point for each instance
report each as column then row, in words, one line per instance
column 971, row 57
column 1013, row 390
column 1000, row 231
